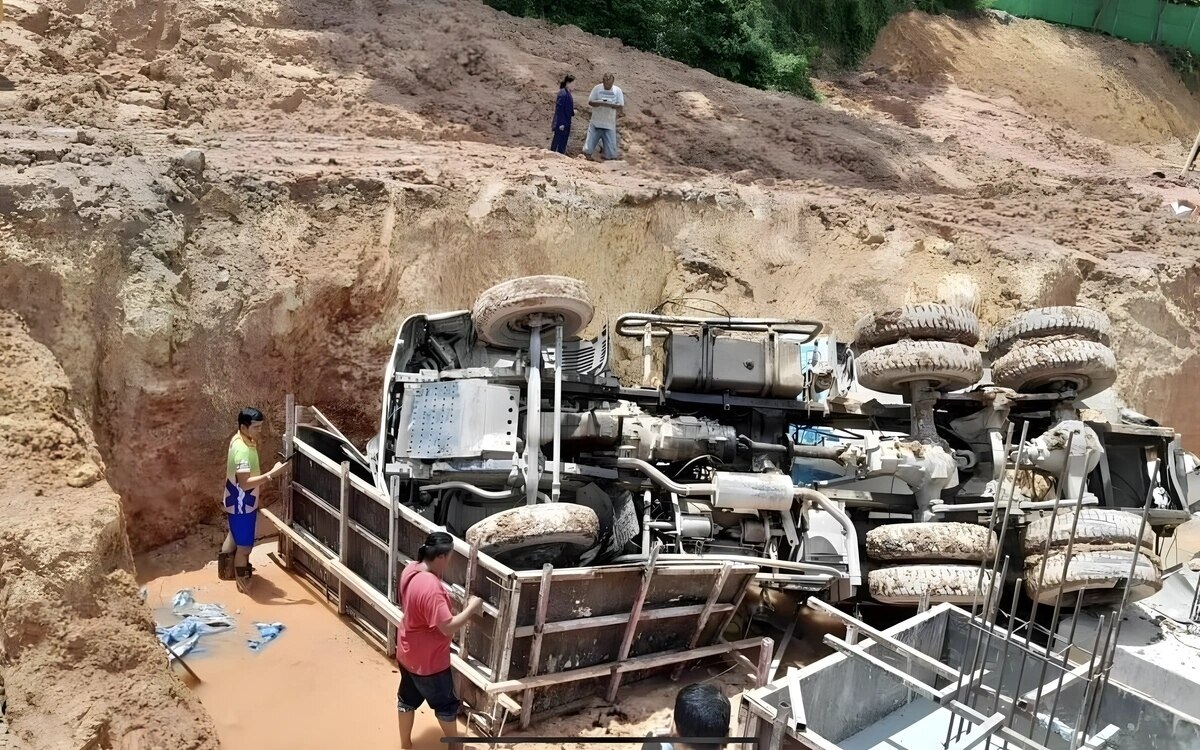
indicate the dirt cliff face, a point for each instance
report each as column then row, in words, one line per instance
column 174, row 297
column 78, row 657
column 206, row 206
column 1132, row 96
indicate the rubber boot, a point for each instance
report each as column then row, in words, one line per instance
column 225, row 566
column 243, row 578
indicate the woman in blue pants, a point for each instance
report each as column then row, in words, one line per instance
column 564, row 110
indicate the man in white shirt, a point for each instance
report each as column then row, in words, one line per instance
column 606, row 100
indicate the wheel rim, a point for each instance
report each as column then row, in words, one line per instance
column 536, row 553
column 521, row 324
column 1058, row 382
column 936, row 383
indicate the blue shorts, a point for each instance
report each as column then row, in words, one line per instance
column 435, row 689
column 241, row 526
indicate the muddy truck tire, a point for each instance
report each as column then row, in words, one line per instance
column 1042, row 364
column 1096, row 526
column 934, row 322
column 1097, row 575
column 1073, row 322
column 931, row 541
column 946, row 365
column 528, row 537
column 908, row 584
column 503, row 313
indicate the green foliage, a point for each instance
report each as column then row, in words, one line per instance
column 1184, row 63
column 845, row 30
column 769, row 44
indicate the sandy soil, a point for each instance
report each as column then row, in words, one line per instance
column 423, row 70
column 318, row 685
column 1100, row 87
column 81, row 667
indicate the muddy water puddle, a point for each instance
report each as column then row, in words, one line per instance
column 317, row 685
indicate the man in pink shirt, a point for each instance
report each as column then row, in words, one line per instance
column 423, row 639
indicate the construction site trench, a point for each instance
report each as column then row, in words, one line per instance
column 207, row 205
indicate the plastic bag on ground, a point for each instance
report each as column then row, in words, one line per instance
column 198, row 620
column 267, row 632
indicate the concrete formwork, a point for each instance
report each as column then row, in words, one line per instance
column 882, row 693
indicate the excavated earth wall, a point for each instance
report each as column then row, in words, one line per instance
column 81, row 665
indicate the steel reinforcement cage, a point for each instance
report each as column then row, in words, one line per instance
column 544, row 639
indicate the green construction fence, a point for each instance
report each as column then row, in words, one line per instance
column 1150, row 21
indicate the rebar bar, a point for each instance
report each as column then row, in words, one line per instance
column 1106, row 663
column 979, row 578
column 1058, row 600
column 1012, row 616
column 988, row 627
column 979, row 661
column 1066, row 659
column 1085, row 703
column 1115, row 635
column 1070, row 547
column 961, row 689
column 1026, row 652
column 1137, row 550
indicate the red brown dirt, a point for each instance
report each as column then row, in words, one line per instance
column 345, row 684
column 408, row 177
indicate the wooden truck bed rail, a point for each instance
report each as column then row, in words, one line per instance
column 544, row 638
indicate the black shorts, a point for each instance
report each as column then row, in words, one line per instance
column 436, row 689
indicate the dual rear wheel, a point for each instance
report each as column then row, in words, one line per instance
column 1047, row 349
column 931, row 343
column 934, row 562
column 939, row 562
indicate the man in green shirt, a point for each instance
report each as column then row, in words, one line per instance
column 242, row 479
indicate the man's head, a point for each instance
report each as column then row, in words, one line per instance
column 608, row 81
column 701, row 710
column 435, row 552
column 250, row 421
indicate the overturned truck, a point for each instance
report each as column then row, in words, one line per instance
column 869, row 471
column 770, row 442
